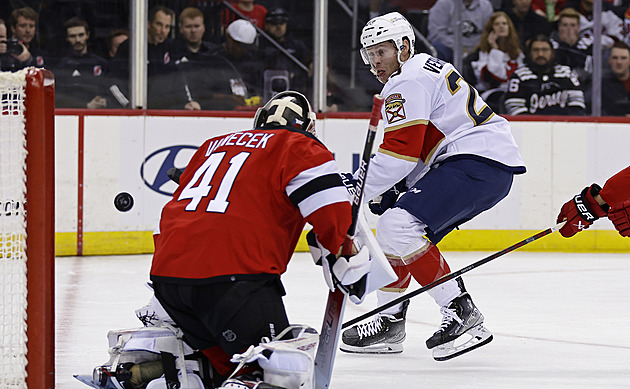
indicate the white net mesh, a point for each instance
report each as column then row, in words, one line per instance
column 12, row 231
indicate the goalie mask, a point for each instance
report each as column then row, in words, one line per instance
column 390, row 27
column 288, row 108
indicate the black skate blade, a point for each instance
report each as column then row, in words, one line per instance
column 457, row 354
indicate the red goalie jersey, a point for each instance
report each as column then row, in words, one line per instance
column 242, row 203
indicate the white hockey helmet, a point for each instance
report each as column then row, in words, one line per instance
column 288, row 108
column 389, row 27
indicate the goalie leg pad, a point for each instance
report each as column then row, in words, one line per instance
column 286, row 363
column 137, row 358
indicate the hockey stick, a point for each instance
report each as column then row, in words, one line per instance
column 331, row 326
column 452, row 275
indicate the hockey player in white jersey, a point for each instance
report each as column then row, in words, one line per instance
column 454, row 158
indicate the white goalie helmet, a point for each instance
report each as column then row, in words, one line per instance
column 288, row 108
column 389, row 27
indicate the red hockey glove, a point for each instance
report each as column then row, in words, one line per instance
column 620, row 216
column 581, row 211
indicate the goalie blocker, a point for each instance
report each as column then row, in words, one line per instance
column 358, row 275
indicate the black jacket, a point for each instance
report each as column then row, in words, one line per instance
column 554, row 93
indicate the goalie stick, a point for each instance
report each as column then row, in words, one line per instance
column 452, row 275
column 331, row 326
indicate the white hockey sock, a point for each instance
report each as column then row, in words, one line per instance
column 445, row 293
column 385, row 297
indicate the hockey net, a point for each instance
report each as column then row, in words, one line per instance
column 27, row 239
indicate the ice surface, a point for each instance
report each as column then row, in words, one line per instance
column 559, row 321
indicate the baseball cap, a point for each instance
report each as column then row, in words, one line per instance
column 242, row 31
column 277, row 15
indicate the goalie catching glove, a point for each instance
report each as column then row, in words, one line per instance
column 349, row 273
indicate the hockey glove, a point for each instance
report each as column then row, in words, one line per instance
column 315, row 248
column 581, row 211
column 620, row 216
column 382, row 203
column 348, row 273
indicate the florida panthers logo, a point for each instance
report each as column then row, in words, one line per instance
column 395, row 108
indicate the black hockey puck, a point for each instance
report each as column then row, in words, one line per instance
column 123, row 202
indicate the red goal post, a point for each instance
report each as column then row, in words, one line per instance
column 27, row 227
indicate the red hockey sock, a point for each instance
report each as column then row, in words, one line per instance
column 427, row 265
column 219, row 360
column 404, row 278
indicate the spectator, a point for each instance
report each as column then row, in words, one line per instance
column 497, row 56
column 548, row 8
column 23, row 28
column 276, row 27
column 192, row 28
column 255, row 13
column 526, row 21
column 115, row 38
column 217, row 84
column 616, row 83
column 118, row 68
column 612, row 25
column 80, row 75
column 240, row 49
column 543, row 87
column 166, row 86
column 572, row 49
column 474, row 15
column 13, row 54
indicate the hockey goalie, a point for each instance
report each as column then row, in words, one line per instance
column 224, row 239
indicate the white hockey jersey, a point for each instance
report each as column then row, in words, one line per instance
column 430, row 114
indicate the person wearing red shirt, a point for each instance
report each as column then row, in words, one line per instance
column 613, row 201
column 256, row 13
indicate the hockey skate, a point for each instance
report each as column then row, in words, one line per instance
column 461, row 330
column 384, row 334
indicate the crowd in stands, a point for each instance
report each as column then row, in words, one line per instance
column 523, row 56
column 210, row 55
column 536, row 56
